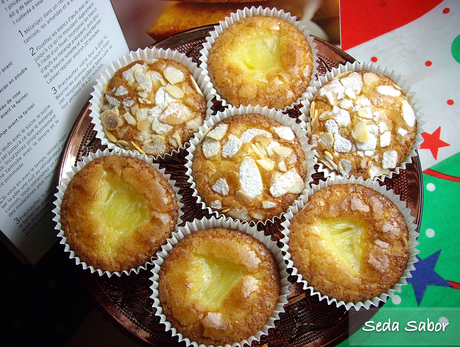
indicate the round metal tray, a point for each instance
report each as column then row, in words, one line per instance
column 125, row 300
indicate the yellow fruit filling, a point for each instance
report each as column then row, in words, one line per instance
column 259, row 54
column 343, row 236
column 121, row 209
column 214, row 278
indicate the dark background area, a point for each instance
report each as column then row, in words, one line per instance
column 41, row 304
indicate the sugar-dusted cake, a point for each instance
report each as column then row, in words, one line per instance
column 249, row 167
column 362, row 124
column 349, row 242
column 262, row 61
column 117, row 211
column 153, row 106
column 218, row 286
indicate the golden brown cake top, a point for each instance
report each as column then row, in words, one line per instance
column 349, row 242
column 219, row 286
column 262, row 61
column 249, row 167
column 117, row 211
column 153, row 106
column 362, row 124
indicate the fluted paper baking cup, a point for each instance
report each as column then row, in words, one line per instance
column 67, row 177
column 147, row 54
column 251, row 12
column 281, row 255
column 379, row 70
column 412, row 240
column 297, row 128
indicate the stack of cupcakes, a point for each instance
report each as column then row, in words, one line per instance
column 352, row 242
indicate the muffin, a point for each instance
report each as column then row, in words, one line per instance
column 152, row 105
column 261, row 60
column 362, row 124
column 116, row 212
column 349, row 242
column 219, row 286
column 249, row 167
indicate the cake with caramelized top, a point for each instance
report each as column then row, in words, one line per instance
column 152, row 106
column 249, row 167
column 117, row 211
column 262, row 61
column 349, row 242
column 218, row 286
column 362, row 124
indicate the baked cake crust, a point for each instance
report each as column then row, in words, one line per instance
column 262, row 61
column 241, row 309
column 362, row 124
column 249, row 167
column 152, row 106
column 98, row 241
column 349, row 242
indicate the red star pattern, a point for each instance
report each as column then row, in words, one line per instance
column 433, row 142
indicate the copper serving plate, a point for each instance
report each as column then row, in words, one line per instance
column 125, row 300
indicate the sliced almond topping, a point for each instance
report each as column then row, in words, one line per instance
column 267, row 164
column 175, row 91
column 370, row 78
column 218, row 132
column 173, row 75
column 283, row 151
column 129, row 118
column 110, row 119
column 144, row 125
column 360, row 132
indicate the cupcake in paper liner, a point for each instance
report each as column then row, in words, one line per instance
column 151, row 101
column 219, row 282
column 352, row 242
column 363, row 121
column 114, row 211
column 259, row 56
column 249, row 163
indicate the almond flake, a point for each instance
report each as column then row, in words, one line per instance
column 344, row 167
column 121, row 90
column 176, row 113
column 129, row 118
column 342, row 117
column 267, row 164
column 250, row 178
column 268, row 204
column 175, row 91
column 232, row 146
column 360, row 132
column 144, row 124
column 408, row 113
column 173, row 75
column 385, row 139
column 282, row 166
column 210, row 148
column 370, row 78
column 216, row 204
column 283, row 151
column 289, row 182
column 388, row 91
column 221, row 187
column 249, row 134
column 285, row 133
column 341, row 144
column 389, row 160
column 218, row 132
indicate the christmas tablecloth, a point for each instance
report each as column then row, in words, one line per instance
column 420, row 40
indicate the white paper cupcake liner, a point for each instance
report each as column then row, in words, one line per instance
column 412, row 240
column 142, row 54
column 281, row 255
column 60, row 194
column 358, row 66
column 298, row 129
column 251, row 12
